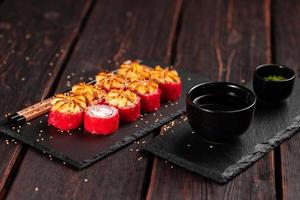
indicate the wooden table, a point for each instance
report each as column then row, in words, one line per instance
column 49, row 45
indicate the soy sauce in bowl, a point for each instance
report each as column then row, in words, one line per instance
column 220, row 111
column 223, row 102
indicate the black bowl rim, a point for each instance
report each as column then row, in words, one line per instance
column 275, row 65
column 223, row 82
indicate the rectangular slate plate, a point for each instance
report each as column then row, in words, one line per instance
column 222, row 162
column 81, row 149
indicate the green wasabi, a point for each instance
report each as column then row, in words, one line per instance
column 274, row 78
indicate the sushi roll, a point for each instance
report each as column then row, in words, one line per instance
column 92, row 93
column 133, row 70
column 169, row 83
column 101, row 119
column 128, row 103
column 66, row 112
column 109, row 81
column 149, row 93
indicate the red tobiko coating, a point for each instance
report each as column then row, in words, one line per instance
column 102, row 125
column 130, row 114
column 170, row 91
column 65, row 121
column 150, row 102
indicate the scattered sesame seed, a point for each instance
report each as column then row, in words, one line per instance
column 27, row 58
column 188, row 145
column 51, row 63
column 211, row 146
column 68, row 77
column 131, row 150
column 140, row 158
column 86, row 180
column 36, row 189
column 23, row 79
column 137, row 150
column 189, row 78
column 172, row 166
column 64, row 163
column 136, row 126
column 28, row 36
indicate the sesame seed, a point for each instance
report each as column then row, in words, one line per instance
column 36, row 189
column 86, row 180
column 27, row 58
column 23, row 79
column 172, row 166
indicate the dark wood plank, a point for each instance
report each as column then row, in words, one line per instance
column 286, row 40
column 34, row 38
column 223, row 40
column 116, row 30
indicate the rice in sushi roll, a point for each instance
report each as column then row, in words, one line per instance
column 133, row 70
column 101, row 119
column 109, row 81
column 149, row 93
column 92, row 93
column 128, row 103
column 66, row 112
column 169, row 83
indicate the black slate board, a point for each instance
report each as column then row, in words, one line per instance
column 222, row 162
column 81, row 149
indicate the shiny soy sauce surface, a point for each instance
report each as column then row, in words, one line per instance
column 226, row 102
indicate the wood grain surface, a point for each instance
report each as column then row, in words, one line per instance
column 133, row 29
column 286, row 40
column 34, row 39
column 225, row 41
column 46, row 46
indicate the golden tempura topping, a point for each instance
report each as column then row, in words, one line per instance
column 68, row 103
column 166, row 75
column 91, row 92
column 110, row 81
column 133, row 71
column 143, row 87
column 121, row 98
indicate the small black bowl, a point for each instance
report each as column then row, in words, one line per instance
column 271, row 92
column 220, row 111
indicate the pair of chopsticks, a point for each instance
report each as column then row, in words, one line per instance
column 30, row 112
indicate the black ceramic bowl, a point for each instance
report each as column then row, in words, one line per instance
column 272, row 92
column 220, row 111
